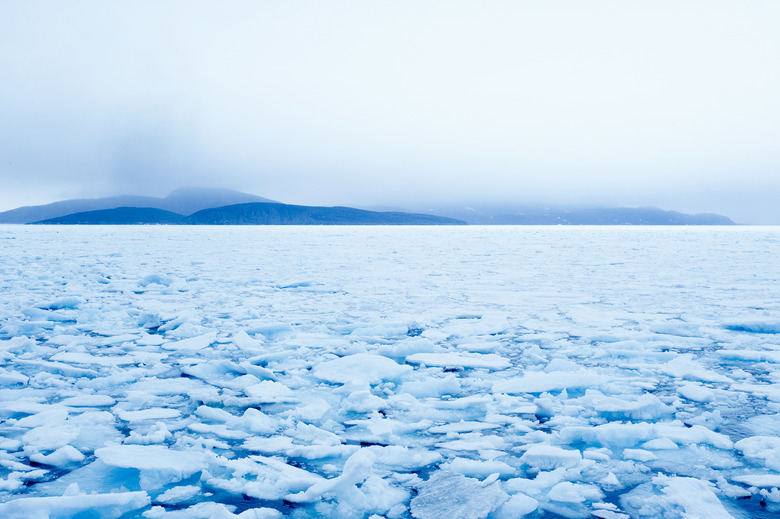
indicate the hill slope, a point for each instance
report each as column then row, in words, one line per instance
column 182, row 201
column 117, row 216
column 248, row 214
column 284, row 214
column 193, row 201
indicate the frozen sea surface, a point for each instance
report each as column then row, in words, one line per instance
column 499, row 372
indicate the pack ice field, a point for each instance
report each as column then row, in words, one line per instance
column 399, row 372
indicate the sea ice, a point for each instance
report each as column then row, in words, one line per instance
column 361, row 366
column 487, row 361
column 158, row 464
column 192, row 343
column 490, row 372
column 84, row 505
column 547, row 457
column 540, row 382
column 448, row 494
column 62, row 457
column 356, row 470
column 679, row 497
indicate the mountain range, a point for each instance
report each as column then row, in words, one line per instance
column 566, row 215
column 200, row 206
column 256, row 213
column 181, row 201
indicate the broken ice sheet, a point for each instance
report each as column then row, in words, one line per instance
column 484, row 361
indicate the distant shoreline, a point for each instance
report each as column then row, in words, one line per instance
column 227, row 207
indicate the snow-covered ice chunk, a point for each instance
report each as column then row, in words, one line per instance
column 478, row 468
column 643, row 407
column 255, row 421
column 220, row 373
column 660, row 444
column 638, row 455
column 569, row 492
column 381, row 330
column 62, row 457
column 51, row 437
column 750, row 355
column 539, row 382
column 360, row 366
column 64, row 303
column 285, row 445
column 605, row 513
column 88, row 401
column 260, row 477
column 548, row 457
column 178, row 494
column 268, row 391
column 152, row 458
column 193, row 343
column 402, row 349
column 222, row 431
column 474, row 442
column 675, row 497
column 463, row 426
column 693, row 434
column 157, row 434
column 771, row 496
column 356, row 469
column 260, row 513
column 517, row 505
column 153, row 413
column 759, row 480
column 41, row 315
column 489, row 361
column 687, row 368
column 159, row 465
column 271, row 331
column 150, row 340
column 245, row 342
column 622, row 435
column 361, row 400
column 314, row 409
column 754, row 325
column 403, row 459
column 448, row 494
column 763, row 448
column 696, row 392
column 156, row 279
column 479, row 347
column 432, row 386
column 10, row 378
column 49, row 415
column 54, row 507
column 211, row 510
column 75, row 357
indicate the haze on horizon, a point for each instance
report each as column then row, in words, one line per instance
column 396, row 103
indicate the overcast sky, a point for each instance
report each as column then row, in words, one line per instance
column 668, row 103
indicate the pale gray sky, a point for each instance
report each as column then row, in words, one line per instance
column 666, row 103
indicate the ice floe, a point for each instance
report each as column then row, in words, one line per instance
column 487, row 373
